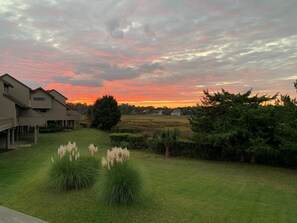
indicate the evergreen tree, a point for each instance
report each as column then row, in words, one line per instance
column 233, row 123
column 105, row 113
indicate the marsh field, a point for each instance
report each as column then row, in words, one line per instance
column 149, row 123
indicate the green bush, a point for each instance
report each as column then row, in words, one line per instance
column 135, row 140
column 116, row 138
column 164, row 141
column 51, row 128
column 84, row 124
column 124, row 144
column 156, row 145
column 126, row 130
column 66, row 175
column 121, row 184
column 185, row 147
column 182, row 147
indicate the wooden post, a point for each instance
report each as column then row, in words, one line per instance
column 35, row 134
column 17, row 135
column 8, row 139
column 12, row 135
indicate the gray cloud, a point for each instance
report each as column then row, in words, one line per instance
column 151, row 42
column 78, row 82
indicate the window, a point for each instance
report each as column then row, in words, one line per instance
column 38, row 99
column 6, row 90
column 43, row 110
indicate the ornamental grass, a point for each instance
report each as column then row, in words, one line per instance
column 70, row 170
column 121, row 183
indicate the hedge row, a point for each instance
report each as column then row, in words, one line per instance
column 126, row 130
column 51, row 129
column 188, row 148
column 129, row 140
column 191, row 149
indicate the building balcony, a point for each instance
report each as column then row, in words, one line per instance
column 6, row 123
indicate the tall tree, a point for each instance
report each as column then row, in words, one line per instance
column 105, row 113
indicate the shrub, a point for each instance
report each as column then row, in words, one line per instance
column 164, row 141
column 135, row 140
column 124, row 144
column 51, row 128
column 70, row 171
column 121, row 182
column 126, row 130
column 185, row 147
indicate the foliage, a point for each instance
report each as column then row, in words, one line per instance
column 51, row 128
column 185, row 147
column 164, row 141
column 286, row 131
column 135, row 140
column 70, row 171
column 229, row 125
column 121, row 183
column 227, row 121
column 105, row 113
column 126, row 129
column 82, row 108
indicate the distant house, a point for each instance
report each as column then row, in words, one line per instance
column 160, row 112
column 23, row 110
column 176, row 112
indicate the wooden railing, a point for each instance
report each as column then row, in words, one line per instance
column 6, row 123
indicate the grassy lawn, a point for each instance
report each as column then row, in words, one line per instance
column 149, row 123
column 175, row 189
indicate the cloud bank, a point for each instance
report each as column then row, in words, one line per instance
column 150, row 51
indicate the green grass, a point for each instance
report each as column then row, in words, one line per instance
column 148, row 124
column 175, row 190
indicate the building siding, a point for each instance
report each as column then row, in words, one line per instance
column 18, row 91
column 41, row 104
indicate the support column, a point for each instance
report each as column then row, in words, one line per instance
column 8, row 139
column 12, row 135
column 35, row 135
column 17, row 135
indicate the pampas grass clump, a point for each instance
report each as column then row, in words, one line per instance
column 121, row 183
column 70, row 171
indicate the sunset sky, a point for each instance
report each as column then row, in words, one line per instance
column 149, row 52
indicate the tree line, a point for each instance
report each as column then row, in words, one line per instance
column 243, row 127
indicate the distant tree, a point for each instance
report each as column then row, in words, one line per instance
column 166, row 110
column 105, row 113
column 81, row 108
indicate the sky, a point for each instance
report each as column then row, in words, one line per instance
column 150, row 52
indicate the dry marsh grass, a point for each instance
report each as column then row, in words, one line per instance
column 150, row 123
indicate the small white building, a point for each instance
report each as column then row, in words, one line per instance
column 176, row 112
